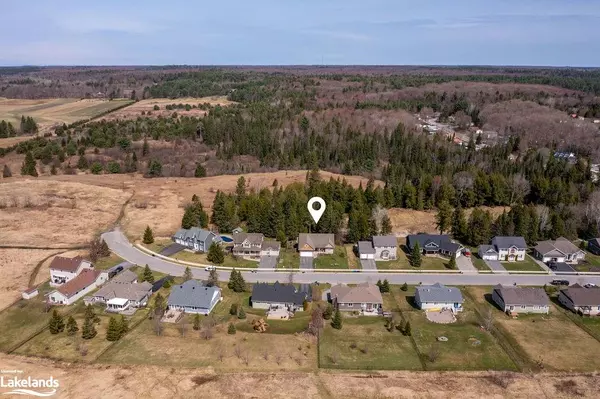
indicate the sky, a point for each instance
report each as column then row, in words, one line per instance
column 308, row 32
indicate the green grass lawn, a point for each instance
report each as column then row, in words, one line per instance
column 230, row 261
column 591, row 263
column 158, row 245
column 427, row 262
column 364, row 343
column 338, row 260
column 108, row 262
column 468, row 347
column 526, row 265
column 289, row 258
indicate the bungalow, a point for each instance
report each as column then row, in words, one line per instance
column 582, row 300
column 277, row 296
column 433, row 244
column 313, row 245
column 510, row 249
column 69, row 292
column 193, row 297
column 247, row 245
column 270, row 248
column 365, row 298
column 521, row 299
column 593, row 246
column 63, row 269
column 561, row 250
column 123, row 292
column 386, row 247
column 366, row 250
column 438, row 297
column 196, row 239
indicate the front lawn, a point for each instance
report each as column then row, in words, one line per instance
column 289, row 258
column 338, row 260
column 108, row 262
column 402, row 262
column 230, row 261
column 526, row 265
column 159, row 244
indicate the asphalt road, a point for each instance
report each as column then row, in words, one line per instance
column 119, row 244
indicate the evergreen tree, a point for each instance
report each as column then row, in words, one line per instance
column 112, row 333
column 56, row 323
column 72, row 327
column 241, row 313
column 415, row 256
column 215, row 254
column 187, row 274
column 213, row 278
column 154, row 168
column 240, row 189
column 196, row 325
column 443, row 218
column 337, row 320
column 404, row 287
column 148, row 236
column 145, row 147
column 82, row 163
column 123, row 326
column 89, row 330
column 407, row 329
column 385, row 286
column 200, row 171
column 231, row 329
column 90, row 314
column 452, row 262
column 386, row 225
column 236, row 281
column 459, row 224
column 328, row 311
column 148, row 275
column 233, row 310
column 378, row 284
column 6, row 172
column 29, row 165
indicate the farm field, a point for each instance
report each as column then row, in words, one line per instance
column 48, row 112
column 147, row 105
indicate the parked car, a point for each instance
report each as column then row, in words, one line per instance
column 590, row 285
column 559, row 282
column 209, row 268
column 466, row 252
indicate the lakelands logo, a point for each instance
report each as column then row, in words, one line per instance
column 18, row 385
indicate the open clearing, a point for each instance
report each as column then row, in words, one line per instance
column 49, row 112
column 10, row 141
column 136, row 109
column 49, row 214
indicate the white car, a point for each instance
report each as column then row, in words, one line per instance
column 209, row 268
column 590, row 285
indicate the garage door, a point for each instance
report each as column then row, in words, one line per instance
column 489, row 257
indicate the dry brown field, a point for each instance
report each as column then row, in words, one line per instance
column 135, row 110
column 10, row 141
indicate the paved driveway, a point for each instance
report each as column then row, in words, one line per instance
column 268, row 262
column 368, row 264
column 171, row 249
column 306, row 262
column 464, row 264
column 495, row 266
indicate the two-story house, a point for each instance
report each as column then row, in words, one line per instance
column 74, row 289
column 196, row 239
column 386, row 247
column 505, row 249
column 63, row 269
column 247, row 245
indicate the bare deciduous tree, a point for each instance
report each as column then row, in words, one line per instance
column 157, row 324
column 316, row 321
column 238, row 351
column 220, row 353
column 519, row 187
column 434, row 353
column 462, row 181
column 592, row 209
column 488, row 320
column 463, row 121
column 543, row 214
column 206, row 333
column 265, row 354
column 183, row 325
column 278, row 359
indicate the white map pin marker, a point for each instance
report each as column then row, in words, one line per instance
column 316, row 213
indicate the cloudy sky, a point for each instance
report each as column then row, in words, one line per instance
column 265, row 32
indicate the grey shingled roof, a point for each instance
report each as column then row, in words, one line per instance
column 192, row 294
column 442, row 242
column 255, row 239
column 362, row 293
column 126, row 276
column 561, row 245
column 131, row 291
column 581, row 296
column 505, row 242
column 486, row 248
column 194, row 234
column 439, row 293
column 281, row 293
column 365, row 247
column 385, row 241
column 275, row 245
column 522, row 295
column 315, row 240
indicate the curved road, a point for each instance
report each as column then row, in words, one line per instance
column 120, row 245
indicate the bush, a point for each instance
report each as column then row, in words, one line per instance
column 96, row 168
column 231, row 329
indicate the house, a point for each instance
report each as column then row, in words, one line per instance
column 593, row 246
column 277, row 296
column 513, row 299
column 438, row 297
column 434, row 244
column 366, row 250
column 386, row 247
column 365, row 298
column 69, row 292
column 64, row 269
column 510, row 249
column 270, row 248
column 313, row 245
column 196, row 239
column 247, row 245
column 582, row 300
column 560, row 250
column 30, row 293
column 193, row 297
column 123, row 292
